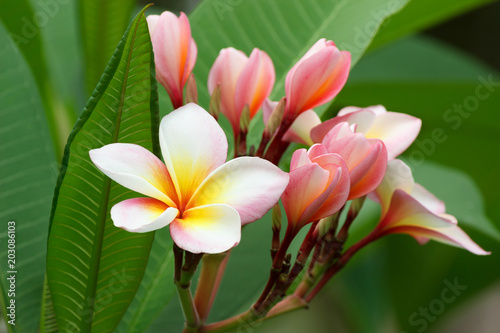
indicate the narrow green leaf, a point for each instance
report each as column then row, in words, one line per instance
column 157, row 287
column 102, row 24
column 94, row 268
column 28, row 173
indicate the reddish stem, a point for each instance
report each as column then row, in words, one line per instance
column 212, row 271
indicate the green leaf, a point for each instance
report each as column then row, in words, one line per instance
column 62, row 47
column 48, row 321
column 419, row 15
column 94, row 268
column 24, row 23
column 157, row 287
column 285, row 30
column 28, row 170
column 102, row 24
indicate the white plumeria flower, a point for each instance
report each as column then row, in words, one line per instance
column 204, row 199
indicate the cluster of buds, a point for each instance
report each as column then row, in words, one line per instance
column 206, row 200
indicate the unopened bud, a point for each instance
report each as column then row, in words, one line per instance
column 214, row 105
column 276, row 217
column 276, row 117
column 191, row 90
column 245, row 119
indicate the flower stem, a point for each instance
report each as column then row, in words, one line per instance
column 335, row 268
column 182, row 280
column 277, row 147
column 212, row 270
column 275, row 269
column 188, row 307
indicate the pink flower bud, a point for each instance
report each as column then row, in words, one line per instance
column 318, row 187
column 366, row 159
column 175, row 52
column 317, row 77
column 243, row 81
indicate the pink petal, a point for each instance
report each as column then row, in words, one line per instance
column 362, row 118
column 317, row 150
column 364, row 158
column 225, row 71
column 250, row 185
column 316, row 78
column 367, row 175
column 307, row 183
column 136, row 168
column 407, row 215
column 207, row 229
column 142, row 214
column 301, row 128
column 377, row 109
column 168, row 48
column 193, row 145
column 255, row 82
column 339, row 187
column 300, row 158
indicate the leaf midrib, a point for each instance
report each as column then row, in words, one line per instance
column 100, row 226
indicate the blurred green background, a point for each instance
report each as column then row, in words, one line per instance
column 437, row 60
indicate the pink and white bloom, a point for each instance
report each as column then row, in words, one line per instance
column 203, row 199
column 301, row 127
column 317, row 77
column 319, row 186
column 366, row 159
column 396, row 130
column 175, row 52
column 408, row 208
column 243, row 81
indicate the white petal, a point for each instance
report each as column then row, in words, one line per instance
column 397, row 130
column 142, row 214
column 207, row 229
column 251, row 185
column 427, row 199
column 193, row 145
column 136, row 168
column 300, row 131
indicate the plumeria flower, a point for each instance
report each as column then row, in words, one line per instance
column 301, row 127
column 396, row 130
column 244, row 81
column 366, row 159
column 175, row 52
column 317, row 77
column 319, row 186
column 203, row 199
column 408, row 208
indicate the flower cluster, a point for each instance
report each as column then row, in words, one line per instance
column 206, row 200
